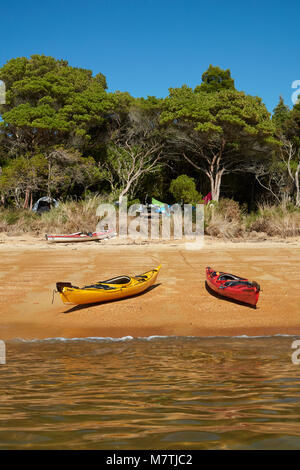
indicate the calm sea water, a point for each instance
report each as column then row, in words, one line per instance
column 158, row 393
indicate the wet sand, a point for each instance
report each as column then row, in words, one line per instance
column 179, row 304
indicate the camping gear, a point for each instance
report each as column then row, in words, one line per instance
column 160, row 207
column 103, row 291
column 44, row 204
column 207, row 198
column 157, row 203
column 81, row 236
column 233, row 287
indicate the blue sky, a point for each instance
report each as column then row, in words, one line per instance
column 147, row 46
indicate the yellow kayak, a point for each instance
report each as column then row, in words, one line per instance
column 112, row 289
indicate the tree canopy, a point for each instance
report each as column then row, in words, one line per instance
column 49, row 102
column 216, row 79
column 218, row 132
column 280, row 113
column 62, row 133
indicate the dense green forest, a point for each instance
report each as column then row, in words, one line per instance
column 63, row 135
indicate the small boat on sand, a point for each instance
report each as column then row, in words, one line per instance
column 81, row 236
column 103, row 291
column 233, row 287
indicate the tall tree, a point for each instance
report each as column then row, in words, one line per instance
column 216, row 79
column 22, row 177
column 280, row 176
column 219, row 132
column 136, row 146
column 291, row 148
column 280, row 113
column 50, row 104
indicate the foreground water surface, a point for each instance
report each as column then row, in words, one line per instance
column 155, row 393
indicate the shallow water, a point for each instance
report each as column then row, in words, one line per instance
column 157, row 393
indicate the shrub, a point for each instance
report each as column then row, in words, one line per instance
column 277, row 220
column 229, row 209
column 220, row 227
column 224, row 219
column 183, row 188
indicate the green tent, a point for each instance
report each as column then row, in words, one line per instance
column 155, row 202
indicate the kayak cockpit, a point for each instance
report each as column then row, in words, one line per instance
column 117, row 280
column 99, row 286
column 229, row 277
column 237, row 284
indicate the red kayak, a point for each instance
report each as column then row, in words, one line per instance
column 81, row 236
column 233, row 287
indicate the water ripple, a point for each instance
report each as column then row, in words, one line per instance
column 159, row 393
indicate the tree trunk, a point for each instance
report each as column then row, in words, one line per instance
column 124, row 191
column 214, row 173
column 215, row 184
column 27, row 197
column 30, row 204
column 297, row 185
column 49, row 179
column 121, row 198
column 17, row 199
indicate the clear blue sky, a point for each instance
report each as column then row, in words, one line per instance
column 147, row 46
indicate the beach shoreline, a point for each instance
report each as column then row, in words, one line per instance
column 179, row 304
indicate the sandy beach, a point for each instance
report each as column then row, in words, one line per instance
column 179, row 304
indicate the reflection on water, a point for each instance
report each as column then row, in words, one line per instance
column 171, row 393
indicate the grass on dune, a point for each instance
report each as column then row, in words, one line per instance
column 68, row 217
column 225, row 219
